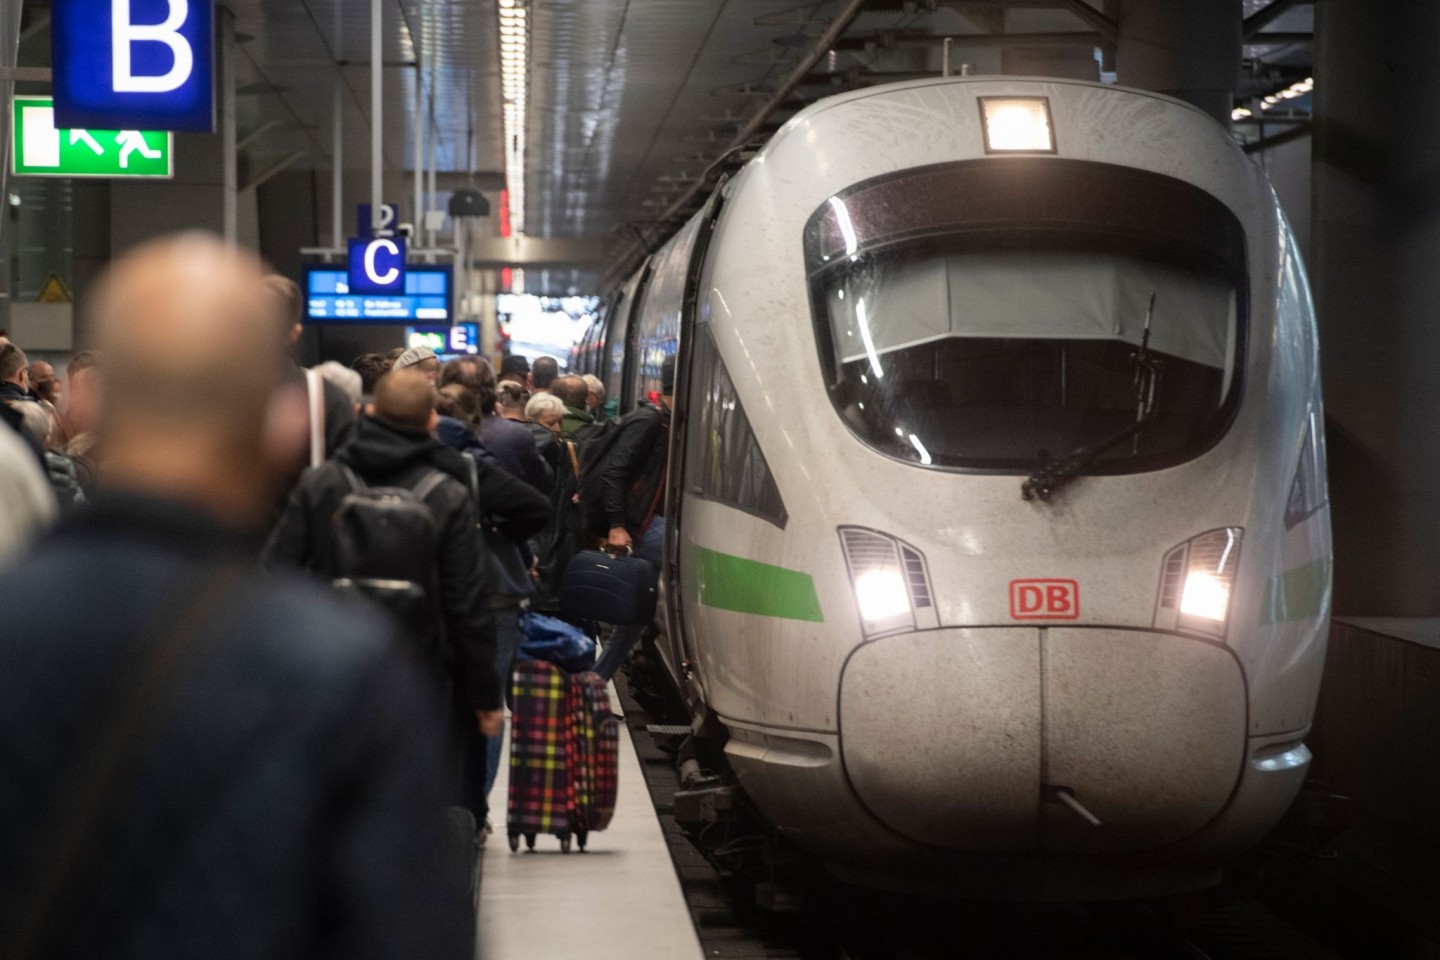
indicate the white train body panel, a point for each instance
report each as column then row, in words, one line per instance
column 911, row 757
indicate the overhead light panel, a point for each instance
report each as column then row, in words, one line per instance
column 514, row 85
column 1017, row 125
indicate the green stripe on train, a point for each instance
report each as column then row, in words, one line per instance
column 1297, row 594
column 728, row 582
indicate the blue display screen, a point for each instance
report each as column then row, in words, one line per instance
column 463, row 339
column 426, row 298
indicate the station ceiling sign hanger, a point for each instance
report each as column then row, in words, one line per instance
column 134, row 64
column 44, row 150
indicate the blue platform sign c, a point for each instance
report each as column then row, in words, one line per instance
column 377, row 266
column 133, row 64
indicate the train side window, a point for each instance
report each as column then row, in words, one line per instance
column 724, row 462
column 1307, row 490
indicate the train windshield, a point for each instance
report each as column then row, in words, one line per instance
column 996, row 314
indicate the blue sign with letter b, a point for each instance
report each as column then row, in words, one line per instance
column 133, row 64
column 377, row 266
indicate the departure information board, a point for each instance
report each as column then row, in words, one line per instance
column 426, row 298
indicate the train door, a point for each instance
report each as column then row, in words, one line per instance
column 656, row 333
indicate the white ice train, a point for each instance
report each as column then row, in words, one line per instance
column 998, row 546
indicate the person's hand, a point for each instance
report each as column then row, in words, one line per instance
column 619, row 538
column 491, row 722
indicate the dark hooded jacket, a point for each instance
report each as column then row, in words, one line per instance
column 634, row 468
column 386, row 456
column 283, row 797
column 514, row 449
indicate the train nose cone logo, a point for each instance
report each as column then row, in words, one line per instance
column 1044, row 600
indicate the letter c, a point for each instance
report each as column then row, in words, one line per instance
column 390, row 275
column 123, row 33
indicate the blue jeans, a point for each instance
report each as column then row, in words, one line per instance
column 507, row 642
column 650, row 545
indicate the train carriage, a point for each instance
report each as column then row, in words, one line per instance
column 998, row 540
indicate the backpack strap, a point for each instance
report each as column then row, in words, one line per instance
column 427, row 486
column 356, row 484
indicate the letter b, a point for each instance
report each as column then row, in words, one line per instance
column 123, row 34
column 1057, row 599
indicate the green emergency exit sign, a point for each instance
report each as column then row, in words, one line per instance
column 41, row 150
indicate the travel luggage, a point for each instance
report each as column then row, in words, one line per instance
column 611, row 589
column 594, row 758
column 564, row 755
column 555, row 641
column 539, row 795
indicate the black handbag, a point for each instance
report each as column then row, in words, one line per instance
column 618, row 590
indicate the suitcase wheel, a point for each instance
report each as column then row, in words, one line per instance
column 529, row 841
column 564, row 843
column 514, row 843
column 580, row 837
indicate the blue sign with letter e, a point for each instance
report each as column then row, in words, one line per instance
column 133, row 64
column 377, row 266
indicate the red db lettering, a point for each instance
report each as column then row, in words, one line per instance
column 1044, row 600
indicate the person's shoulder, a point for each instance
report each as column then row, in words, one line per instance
column 305, row 627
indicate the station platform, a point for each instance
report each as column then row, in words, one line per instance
column 620, row 898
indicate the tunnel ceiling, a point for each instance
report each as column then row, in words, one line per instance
column 630, row 101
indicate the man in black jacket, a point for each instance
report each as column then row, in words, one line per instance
column 394, row 448
column 634, row 485
column 199, row 763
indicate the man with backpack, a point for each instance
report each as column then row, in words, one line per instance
column 622, row 490
column 391, row 517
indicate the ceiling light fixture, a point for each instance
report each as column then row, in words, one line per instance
column 514, row 82
column 1297, row 89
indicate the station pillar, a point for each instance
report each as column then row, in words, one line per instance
column 1188, row 49
column 1375, row 270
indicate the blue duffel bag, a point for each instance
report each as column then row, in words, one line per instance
column 557, row 642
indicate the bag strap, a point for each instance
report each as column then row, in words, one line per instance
column 87, row 793
column 427, row 486
column 660, row 487
column 574, row 459
column 474, row 470
column 315, row 393
column 356, row 484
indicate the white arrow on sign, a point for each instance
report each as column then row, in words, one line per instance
column 83, row 136
column 131, row 141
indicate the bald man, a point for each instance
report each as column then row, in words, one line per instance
column 198, row 762
column 395, row 448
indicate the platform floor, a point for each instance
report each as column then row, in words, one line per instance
column 619, row 899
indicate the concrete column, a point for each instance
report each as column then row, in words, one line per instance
column 1188, row 49
column 1376, row 243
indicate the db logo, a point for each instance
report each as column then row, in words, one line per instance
column 1044, row 600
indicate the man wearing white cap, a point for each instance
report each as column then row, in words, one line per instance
column 423, row 359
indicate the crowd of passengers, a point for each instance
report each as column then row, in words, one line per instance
column 209, row 750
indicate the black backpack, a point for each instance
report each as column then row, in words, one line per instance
column 386, row 544
column 594, row 455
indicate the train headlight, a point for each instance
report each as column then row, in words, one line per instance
column 1197, row 581
column 1017, row 125
column 890, row 580
column 881, row 595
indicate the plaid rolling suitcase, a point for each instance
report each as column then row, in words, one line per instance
column 540, row 725
column 593, row 757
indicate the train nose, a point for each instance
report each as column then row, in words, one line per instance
column 962, row 738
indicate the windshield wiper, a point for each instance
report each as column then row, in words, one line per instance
column 1054, row 474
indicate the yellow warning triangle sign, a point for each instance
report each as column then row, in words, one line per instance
column 54, row 291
